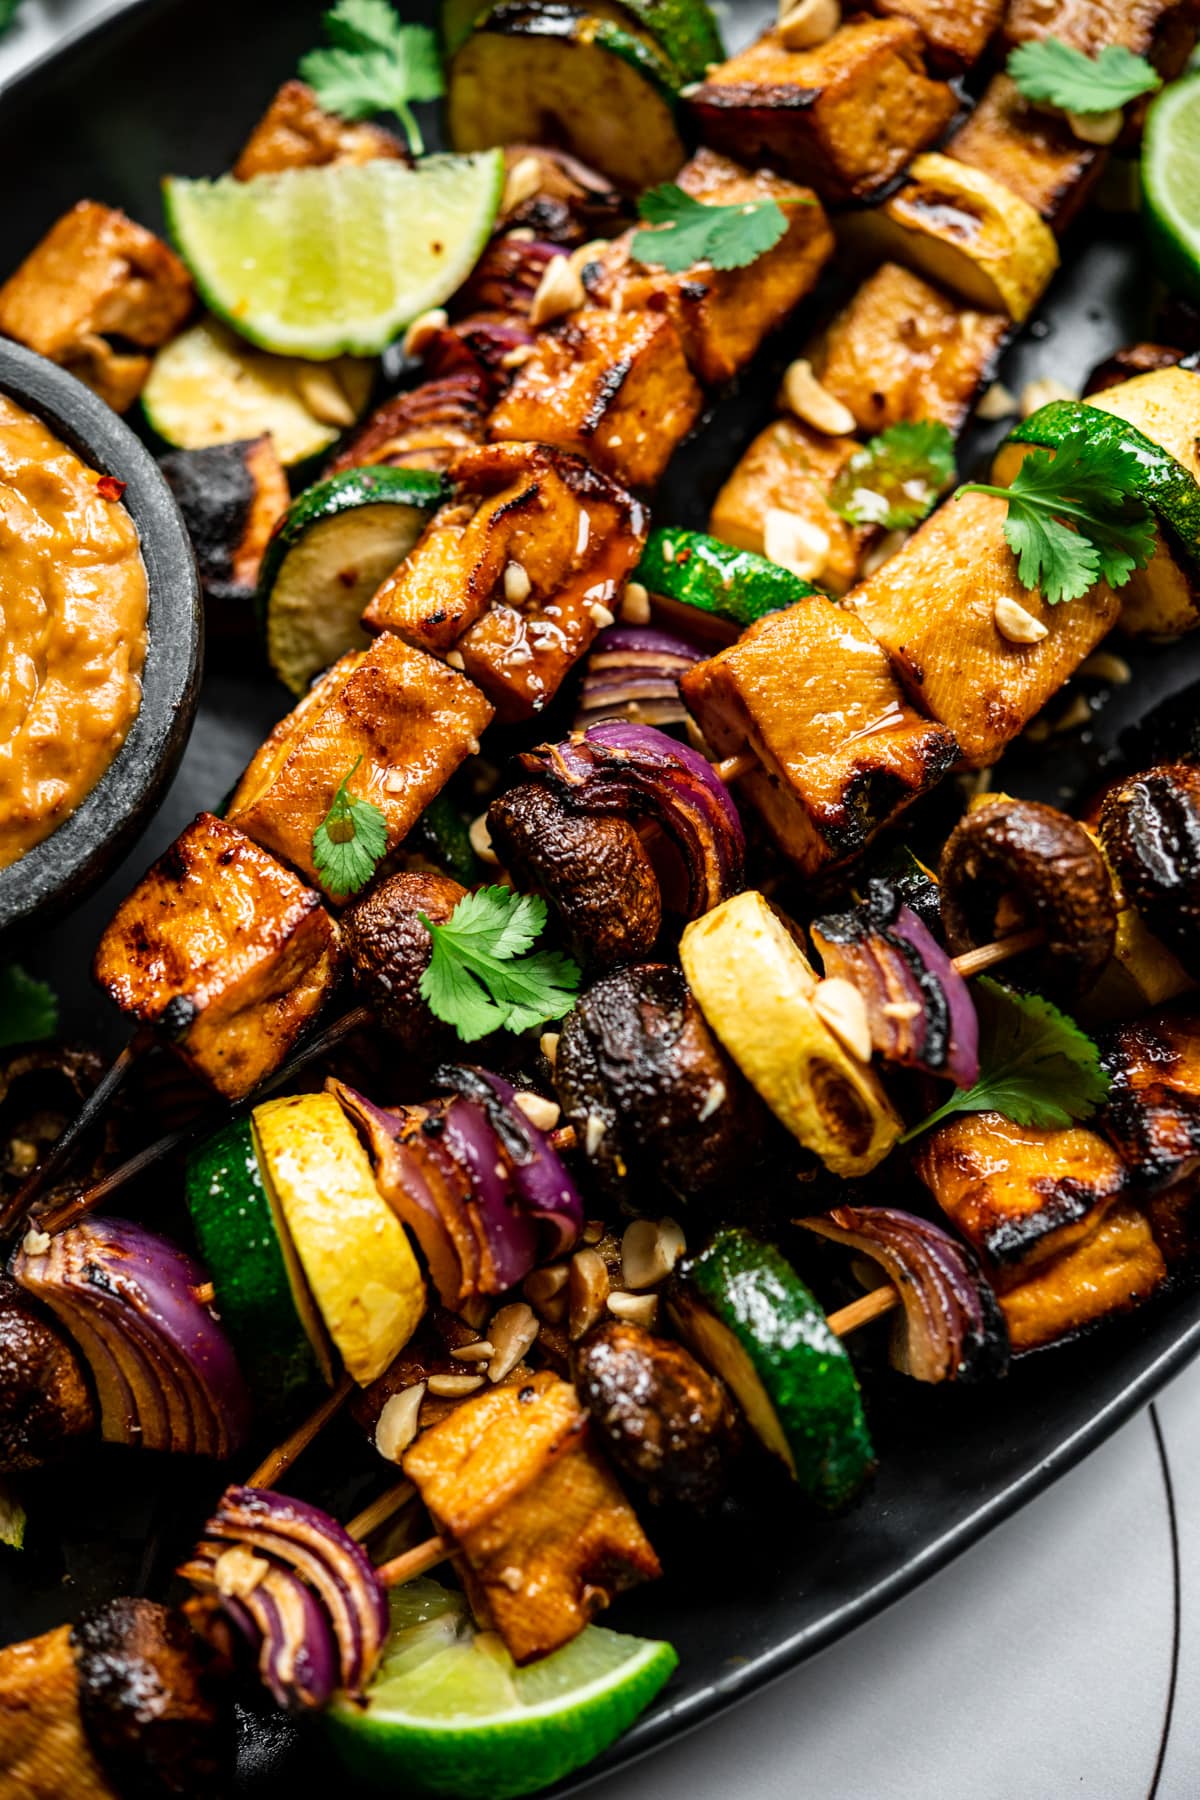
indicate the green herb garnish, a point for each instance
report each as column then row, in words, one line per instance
column 28, row 1008
column 8, row 12
column 12, row 1513
column 1052, row 73
column 895, row 479
column 690, row 231
column 1036, row 1066
column 375, row 65
column 1092, row 484
column 482, row 976
column 349, row 841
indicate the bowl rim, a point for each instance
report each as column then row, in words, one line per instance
column 77, row 853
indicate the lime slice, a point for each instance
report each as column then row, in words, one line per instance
column 1171, row 184
column 448, row 1712
column 336, row 260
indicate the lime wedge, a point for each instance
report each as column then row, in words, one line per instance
column 336, row 260
column 448, row 1712
column 1171, row 184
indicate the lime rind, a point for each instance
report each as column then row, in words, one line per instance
column 1171, row 184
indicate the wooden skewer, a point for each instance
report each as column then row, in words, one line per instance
column 390, row 1502
column 734, row 767
column 974, row 962
column 870, row 1306
column 413, row 1562
column 284, row 1455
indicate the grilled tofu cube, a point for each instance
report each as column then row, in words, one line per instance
column 843, row 117
column 424, row 428
column 613, row 387
column 45, row 1751
column 932, row 607
column 544, row 1535
column 1116, row 1266
column 231, row 497
column 966, row 231
column 903, row 350
column 410, row 720
column 810, row 692
column 1152, row 1113
column 1158, row 27
column 225, row 951
column 790, row 469
column 723, row 315
column 956, row 32
column 1034, row 153
column 1016, row 1193
column 296, row 132
column 96, row 274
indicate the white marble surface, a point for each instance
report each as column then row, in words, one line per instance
column 1037, row 1666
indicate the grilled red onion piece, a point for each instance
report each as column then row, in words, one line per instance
column 950, row 1327
column 633, row 673
column 508, row 1238
column 507, row 275
column 544, row 1187
column 624, row 769
column 315, row 1547
column 919, row 1007
column 285, row 1629
column 165, row 1373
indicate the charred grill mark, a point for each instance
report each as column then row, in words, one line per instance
column 609, row 388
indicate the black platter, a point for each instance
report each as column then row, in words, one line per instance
column 174, row 85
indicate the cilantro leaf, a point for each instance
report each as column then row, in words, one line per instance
column 8, row 12
column 349, row 841
column 1091, row 484
column 728, row 237
column 12, row 1513
column 376, row 64
column 1052, row 73
column 28, row 1008
column 481, row 976
column 1036, row 1066
column 895, row 479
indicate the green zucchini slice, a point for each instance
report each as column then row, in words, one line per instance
column 443, row 836
column 745, row 1312
column 700, row 579
column 261, row 1292
column 537, row 73
column 329, row 553
column 684, row 30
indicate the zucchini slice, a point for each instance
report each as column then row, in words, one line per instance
column 746, row 1313
column 443, row 836
column 700, row 581
column 329, row 553
column 554, row 73
column 684, row 30
column 261, row 1291
column 208, row 387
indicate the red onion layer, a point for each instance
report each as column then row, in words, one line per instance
column 507, row 1236
column 544, row 1186
column 633, row 673
column 284, row 1627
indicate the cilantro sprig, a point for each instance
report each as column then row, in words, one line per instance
column 484, row 976
column 28, row 1007
column 690, row 231
column 8, row 12
column 1052, row 73
column 375, row 64
column 349, row 841
column 1074, row 517
column 895, row 479
column 1036, row 1066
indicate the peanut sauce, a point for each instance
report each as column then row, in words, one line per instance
column 73, row 601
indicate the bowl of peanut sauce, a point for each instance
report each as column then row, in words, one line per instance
column 100, row 637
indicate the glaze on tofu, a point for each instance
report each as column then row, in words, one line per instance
column 1034, row 153
column 98, row 275
column 296, row 132
column 1152, row 1113
column 790, row 468
column 1164, row 30
column 841, row 751
column 956, row 32
column 844, row 117
column 613, row 387
column 932, row 608
column 410, row 719
column 228, row 953
column 1114, row 1267
column 723, row 316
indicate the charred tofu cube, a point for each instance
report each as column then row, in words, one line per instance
column 1152, row 1113
column 788, row 472
column 407, row 718
column 724, row 315
column 231, row 497
column 227, row 953
column 956, row 32
column 613, row 387
column 1018, row 1194
column 544, row 1535
column 840, row 751
column 844, row 117
column 1115, row 1267
column 95, row 275
column 1034, row 153
column 932, row 607
column 1156, row 28
column 296, row 132
column 424, row 428
column 903, row 350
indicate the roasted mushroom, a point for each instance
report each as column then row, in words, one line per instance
column 1013, row 865
column 557, row 197
column 666, row 1422
column 231, row 497
column 45, row 1398
column 1134, row 359
column 41, row 1089
column 651, row 1094
column 390, row 951
column 1150, row 829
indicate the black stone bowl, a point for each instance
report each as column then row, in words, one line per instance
column 63, row 867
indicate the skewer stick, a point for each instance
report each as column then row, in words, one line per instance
column 734, row 767
column 390, row 1502
column 414, row 1562
column 285, row 1454
column 872, row 1305
column 974, row 962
